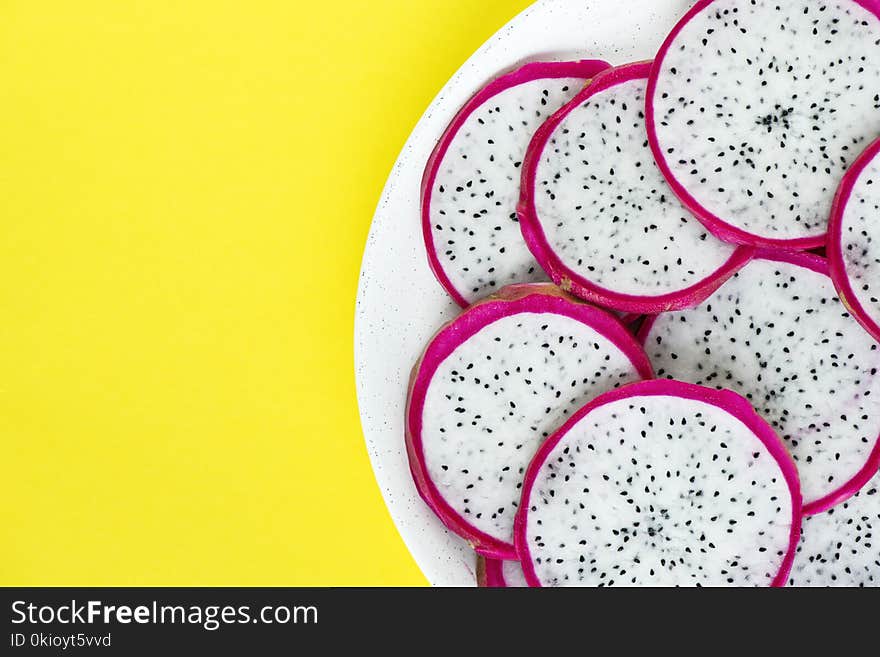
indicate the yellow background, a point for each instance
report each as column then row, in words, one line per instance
column 185, row 192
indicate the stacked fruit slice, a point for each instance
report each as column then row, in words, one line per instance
column 690, row 190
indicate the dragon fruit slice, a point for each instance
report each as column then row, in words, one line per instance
column 471, row 182
column 497, row 574
column 660, row 483
column 778, row 334
column 756, row 108
column 841, row 547
column 491, row 385
column 598, row 216
column 854, row 239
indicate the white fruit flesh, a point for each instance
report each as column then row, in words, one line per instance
column 513, row 574
column 860, row 239
column 606, row 210
column 476, row 233
column 492, row 402
column 659, row 491
column 841, row 547
column 761, row 106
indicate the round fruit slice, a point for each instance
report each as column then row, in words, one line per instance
column 778, row 334
column 854, row 240
column 660, row 483
column 491, row 386
column 471, row 182
column 599, row 217
column 756, row 108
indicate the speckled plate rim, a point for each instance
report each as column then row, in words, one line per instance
column 400, row 304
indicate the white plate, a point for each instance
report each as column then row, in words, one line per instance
column 400, row 304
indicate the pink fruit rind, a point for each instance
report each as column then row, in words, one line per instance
column 834, row 248
column 718, row 226
column 850, row 487
column 726, row 400
column 564, row 276
column 514, row 299
column 490, row 574
column 584, row 69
